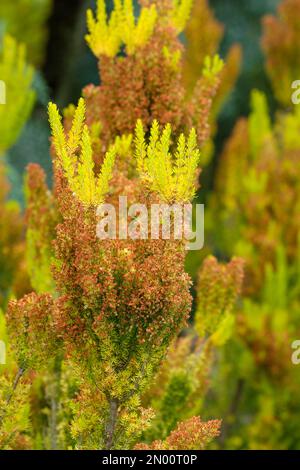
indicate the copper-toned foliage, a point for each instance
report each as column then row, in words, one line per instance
column 149, row 85
column 193, row 434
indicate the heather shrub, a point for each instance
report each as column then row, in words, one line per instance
column 111, row 344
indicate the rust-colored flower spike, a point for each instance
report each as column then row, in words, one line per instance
column 147, row 84
column 218, row 290
column 192, row 434
column 281, row 43
column 117, row 307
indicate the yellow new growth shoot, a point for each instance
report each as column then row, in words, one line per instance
column 212, row 66
column 181, row 13
column 75, row 155
column 106, row 36
column 172, row 177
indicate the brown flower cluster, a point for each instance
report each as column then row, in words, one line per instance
column 149, row 85
column 193, row 434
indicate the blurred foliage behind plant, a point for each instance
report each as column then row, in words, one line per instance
column 26, row 21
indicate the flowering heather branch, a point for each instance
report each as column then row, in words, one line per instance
column 117, row 308
column 79, row 171
column 192, row 434
column 148, row 83
column 106, row 37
